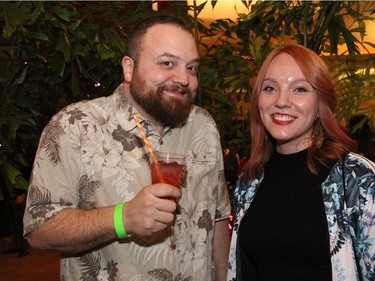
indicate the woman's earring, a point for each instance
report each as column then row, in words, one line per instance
column 318, row 133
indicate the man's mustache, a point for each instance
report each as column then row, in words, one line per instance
column 174, row 88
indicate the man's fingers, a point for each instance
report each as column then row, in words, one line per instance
column 164, row 190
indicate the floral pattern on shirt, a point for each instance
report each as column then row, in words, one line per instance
column 91, row 154
column 350, row 217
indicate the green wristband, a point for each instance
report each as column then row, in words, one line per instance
column 117, row 218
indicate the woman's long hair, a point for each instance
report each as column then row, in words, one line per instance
column 329, row 137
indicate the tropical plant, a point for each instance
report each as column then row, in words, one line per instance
column 231, row 63
column 324, row 27
column 56, row 53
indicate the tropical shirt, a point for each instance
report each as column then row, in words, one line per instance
column 91, row 154
column 350, row 217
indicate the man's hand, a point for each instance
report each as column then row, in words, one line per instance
column 149, row 211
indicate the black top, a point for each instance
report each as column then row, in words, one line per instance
column 284, row 234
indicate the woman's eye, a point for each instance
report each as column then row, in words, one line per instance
column 268, row 88
column 300, row 90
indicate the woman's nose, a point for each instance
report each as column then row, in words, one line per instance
column 283, row 99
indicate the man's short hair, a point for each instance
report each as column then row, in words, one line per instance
column 135, row 37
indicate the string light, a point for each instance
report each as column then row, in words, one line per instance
column 230, row 221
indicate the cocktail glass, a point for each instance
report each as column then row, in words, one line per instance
column 168, row 168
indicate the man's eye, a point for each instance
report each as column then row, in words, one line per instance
column 193, row 69
column 167, row 63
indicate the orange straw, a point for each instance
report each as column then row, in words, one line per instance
column 144, row 137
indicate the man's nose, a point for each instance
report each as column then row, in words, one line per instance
column 181, row 76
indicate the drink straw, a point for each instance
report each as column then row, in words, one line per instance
column 144, row 137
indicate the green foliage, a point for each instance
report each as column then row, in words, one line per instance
column 225, row 74
column 54, row 53
column 231, row 64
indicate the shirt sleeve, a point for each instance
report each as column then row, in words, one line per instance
column 223, row 208
column 360, row 205
column 55, row 176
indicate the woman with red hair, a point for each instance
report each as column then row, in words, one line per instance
column 304, row 202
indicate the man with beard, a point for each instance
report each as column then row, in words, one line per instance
column 92, row 158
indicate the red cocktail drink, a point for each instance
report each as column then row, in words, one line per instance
column 167, row 168
column 170, row 173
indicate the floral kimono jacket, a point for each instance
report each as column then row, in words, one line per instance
column 349, row 200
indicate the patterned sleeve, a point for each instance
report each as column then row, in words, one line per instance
column 224, row 207
column 361, row 204
column 55, row 174
column 223, row 203
column 206, row 144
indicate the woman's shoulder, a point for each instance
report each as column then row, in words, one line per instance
column 360, row 173
column 356, row 169
column 358, row 162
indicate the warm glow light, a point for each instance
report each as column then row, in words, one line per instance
column 231, row 8
column 223, row 9
column 369, row 36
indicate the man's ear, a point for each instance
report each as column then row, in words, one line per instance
column 127, row 68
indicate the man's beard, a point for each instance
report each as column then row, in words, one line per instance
column 168, row 111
